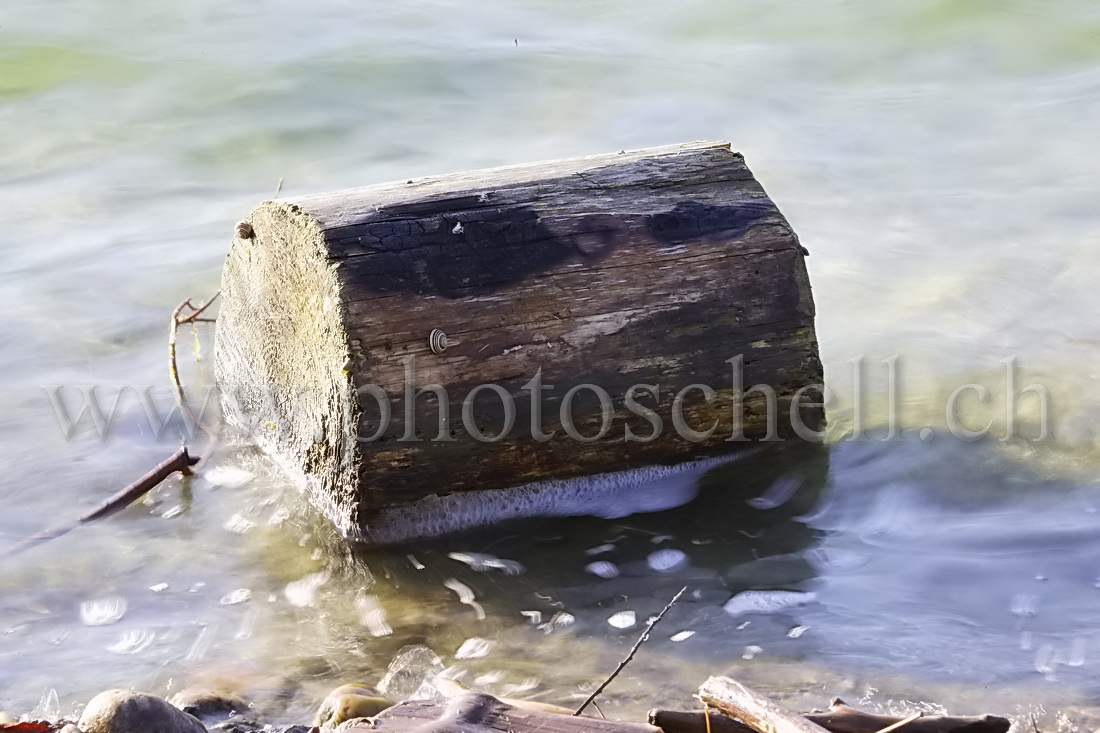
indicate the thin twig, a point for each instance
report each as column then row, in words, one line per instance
column 633, row 650
column 180, row 461
column 173, row 331
column 901, row 722
column 200, row 309
column 706, row 714
column 279, row 189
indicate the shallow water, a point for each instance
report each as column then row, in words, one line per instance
column 936, row 158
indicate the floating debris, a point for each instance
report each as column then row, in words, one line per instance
column 241, row 595
column 751, row 651
column 603, row 569
column 779, row 493
column 667, row 561
column 465, row 595
column 599, row 549
column 481, row 562
column 623, row 619
column 559, row 620
column 767, row 601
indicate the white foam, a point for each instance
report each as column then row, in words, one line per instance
column 609, row 496
column 482, row 562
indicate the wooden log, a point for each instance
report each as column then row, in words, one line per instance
column 477, row 712
column 753, row 709
column 667, row 267
column 839, row 718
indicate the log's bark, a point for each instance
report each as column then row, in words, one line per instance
column 758, row 712
column 664, row 267
column 477, row 712
column 838, row 719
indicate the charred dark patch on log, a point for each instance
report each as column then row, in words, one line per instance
column 457, row 254
column 692, row 220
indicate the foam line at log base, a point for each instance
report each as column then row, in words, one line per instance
column 609, row 496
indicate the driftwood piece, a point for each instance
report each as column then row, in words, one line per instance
column 477, row 712
column 742, row 709
column 839, row 718
column 755, row 710
column 653, row 267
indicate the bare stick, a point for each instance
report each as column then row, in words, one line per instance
column 178, row 321
column 195, row 316
column 279, row 189
column 633, row 650
column 179, row 461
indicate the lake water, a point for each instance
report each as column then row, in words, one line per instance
column 937, row 158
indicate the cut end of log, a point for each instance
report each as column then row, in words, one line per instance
column 289, row 390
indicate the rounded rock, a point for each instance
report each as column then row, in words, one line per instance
column 341, row 706
column 204, row 703
column 127, row 711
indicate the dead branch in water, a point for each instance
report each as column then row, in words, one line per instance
column 633, row 650
column 180, row 461
column 177, row 321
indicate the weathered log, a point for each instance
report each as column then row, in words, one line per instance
column 477, row 712
column 667, row 267
column 838, row 719
column 758, row 712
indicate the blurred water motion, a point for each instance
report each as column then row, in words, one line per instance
column 936, row 157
